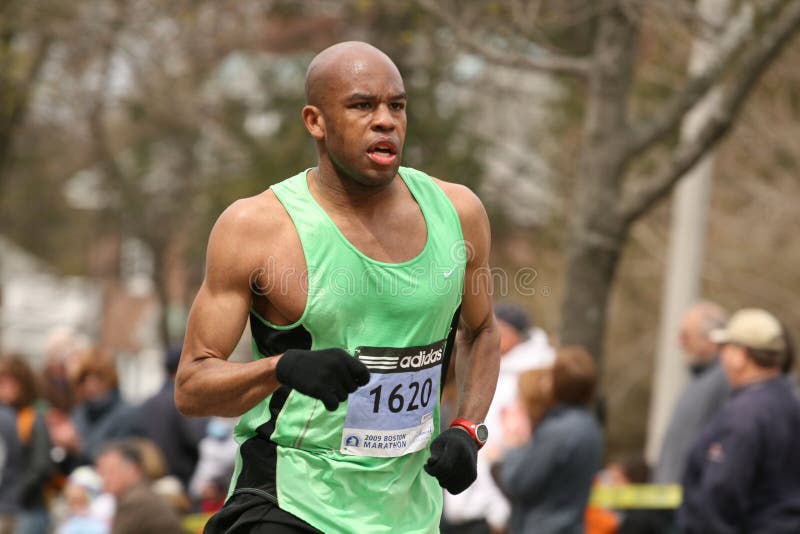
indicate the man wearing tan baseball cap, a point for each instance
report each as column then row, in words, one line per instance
column 743, row 473
column 754, row 328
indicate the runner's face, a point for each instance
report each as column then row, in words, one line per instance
column 365, row 121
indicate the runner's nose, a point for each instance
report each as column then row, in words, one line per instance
column 383, row 119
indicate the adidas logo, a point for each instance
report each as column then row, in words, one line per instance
column 421, row 359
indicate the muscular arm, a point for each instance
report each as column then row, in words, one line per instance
column 206, row 383
column 478, row 360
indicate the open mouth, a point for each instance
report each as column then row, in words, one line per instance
column 382, row 152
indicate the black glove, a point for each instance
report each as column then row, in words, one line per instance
column 454, row 460
column 328, row 374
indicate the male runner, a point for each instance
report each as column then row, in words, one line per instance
column 354, row 275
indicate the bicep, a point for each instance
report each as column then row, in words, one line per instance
column 221, row 307
column 216, row 323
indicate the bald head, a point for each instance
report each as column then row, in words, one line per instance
column 340, row 62
column 697, row 323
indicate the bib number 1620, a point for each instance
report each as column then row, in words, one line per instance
column 397, row 399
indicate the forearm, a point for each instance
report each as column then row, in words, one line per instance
column 477, row 367
column 212, row 386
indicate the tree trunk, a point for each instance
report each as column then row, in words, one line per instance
column 590, row 272
column 160, row 282
column 598, row 233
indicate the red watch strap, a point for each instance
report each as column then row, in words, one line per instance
column 469, row 426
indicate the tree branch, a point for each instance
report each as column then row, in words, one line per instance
column 104, row 153
column 734, row 40
column 553, row 63
column 522, row 21
column 20, row 98
column 753, row 64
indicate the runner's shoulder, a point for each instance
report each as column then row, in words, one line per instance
column 468, row 206
column 257, row 219
column 247, row 231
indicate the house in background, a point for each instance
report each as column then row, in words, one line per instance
column 35, row 303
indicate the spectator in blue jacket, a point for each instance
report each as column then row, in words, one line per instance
column 101, row 414
column 743, row 474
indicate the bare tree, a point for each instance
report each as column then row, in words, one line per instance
column 144, row 138
column 608, row 196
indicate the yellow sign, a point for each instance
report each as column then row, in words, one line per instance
column 637, row 496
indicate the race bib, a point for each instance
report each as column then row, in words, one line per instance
column 393, row 414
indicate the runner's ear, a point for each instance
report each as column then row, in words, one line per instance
column 314, row 122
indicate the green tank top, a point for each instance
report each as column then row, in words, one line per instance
column 360, row 468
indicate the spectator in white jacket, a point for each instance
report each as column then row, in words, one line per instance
column 482, row 508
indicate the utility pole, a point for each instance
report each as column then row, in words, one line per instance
column 687, row 236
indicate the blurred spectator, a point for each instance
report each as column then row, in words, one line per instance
column 213, row 493
column 101, row 414
column 743, row 473
column 85, row 511
column 10, row 454
column 18, row 390
column 633, row 469
column 629, row 469
column 788, row 364
column 139, row 509
column 703, row 395
column 154, row 466
column 549, row 475
column 177, row 436
column 173, row 492
column 62, row 348
column 523, row 346
column 535, row 398
column 218, row 452
column 599, row 520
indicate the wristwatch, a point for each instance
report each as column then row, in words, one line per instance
column 478, row 431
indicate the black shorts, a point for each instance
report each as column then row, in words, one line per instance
column 246, row 513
